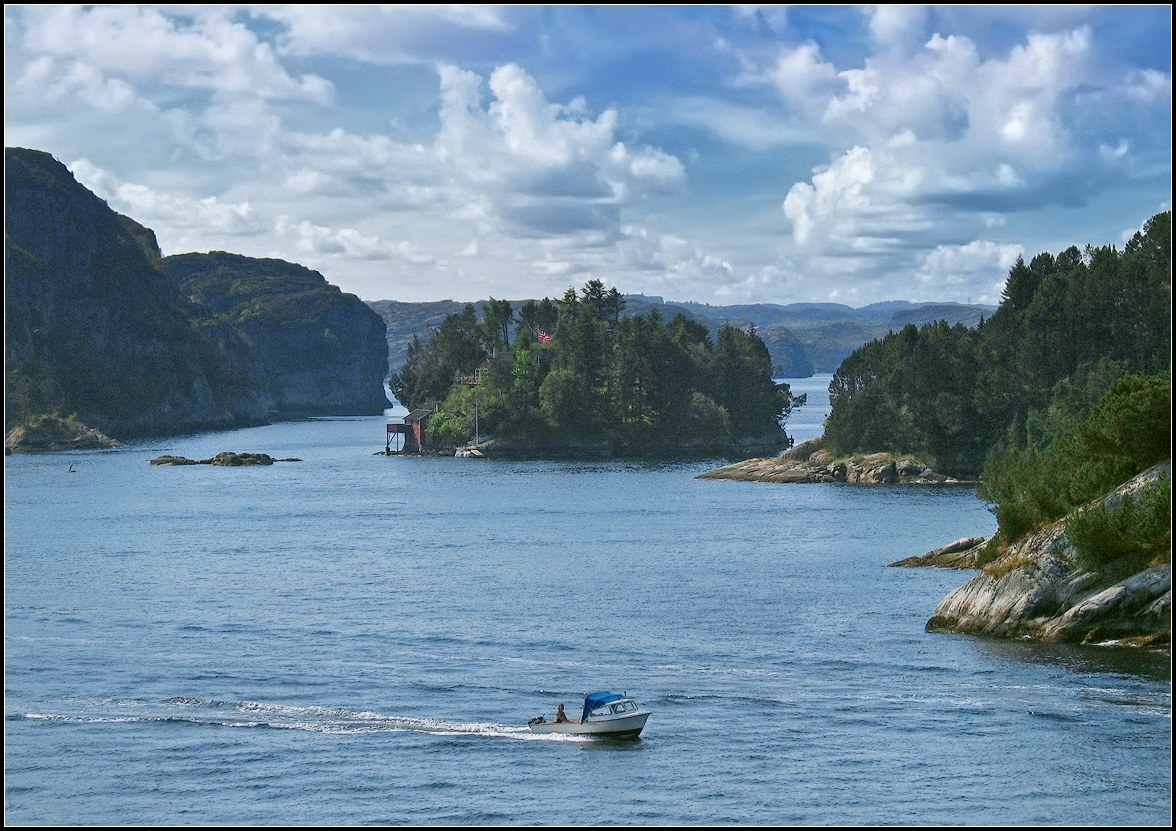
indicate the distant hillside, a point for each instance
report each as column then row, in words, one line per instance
column 802, row 338
column 830, row 332
column 96, row 327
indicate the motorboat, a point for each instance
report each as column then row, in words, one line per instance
column 606, row 714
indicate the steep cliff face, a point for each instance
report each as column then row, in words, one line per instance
column 1039, row 590
column 93, row 327
column 101, row 326
column 319, row 350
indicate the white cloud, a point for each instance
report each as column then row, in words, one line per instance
column 671, row 263
column 897, row 24
column 58, row 80
column 159, row 210
column 1149, row 85
column 801, row 77
column 543, row 168
column 384, row 34
column 971, row 271
column 941, row 126
column 473, row 150
column 201, row 49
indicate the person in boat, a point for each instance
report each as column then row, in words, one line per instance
column 560, row 716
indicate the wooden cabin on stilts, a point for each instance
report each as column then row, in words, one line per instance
column 410, row 433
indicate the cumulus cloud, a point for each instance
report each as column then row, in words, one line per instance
column 976, row 271
column 670, row 262
column 203, row 49
column 896, row 25
column 940, row 132
column 856, row 152
column 66, row 80
column 543, row 167
column 154, row 209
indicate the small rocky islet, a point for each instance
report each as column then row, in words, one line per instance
column 812, row 462
column 223, row 459
column 53, row 434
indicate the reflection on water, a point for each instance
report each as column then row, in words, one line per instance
column 1152, row 664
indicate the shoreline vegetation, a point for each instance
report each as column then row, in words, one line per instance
column 1046, row 586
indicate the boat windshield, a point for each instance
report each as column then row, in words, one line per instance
column 596, row 703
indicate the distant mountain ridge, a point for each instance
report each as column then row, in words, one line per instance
column 803, row 338
column 101, row 325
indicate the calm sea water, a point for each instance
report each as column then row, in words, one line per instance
column 357, row 639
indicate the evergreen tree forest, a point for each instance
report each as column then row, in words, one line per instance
column 1063, row 393
column 576, row 369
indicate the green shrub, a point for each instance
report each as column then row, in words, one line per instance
column 1134, row 533
column 1127, row 432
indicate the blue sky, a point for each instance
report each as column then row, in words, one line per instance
column 721, row 154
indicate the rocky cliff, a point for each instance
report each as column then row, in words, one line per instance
column 99, row 326
column 94, row 328
column 319, row 351
column 1038, row 589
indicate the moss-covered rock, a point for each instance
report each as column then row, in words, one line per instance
column 49, row 433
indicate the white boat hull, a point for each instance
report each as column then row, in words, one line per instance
column 626, row 726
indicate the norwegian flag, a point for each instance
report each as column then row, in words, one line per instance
column 544, row 336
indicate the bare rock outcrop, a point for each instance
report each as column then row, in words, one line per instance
column 225, row 458
column 1039, row 590
column 811, row 462
column 959, row 554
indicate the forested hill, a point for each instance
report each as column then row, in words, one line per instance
column 1067, row 328
column 802, row 338
column 1063, row 402
column 99, row 326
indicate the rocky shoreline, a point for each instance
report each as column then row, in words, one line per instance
column 51, row 433
column 963, row 553
column 1038, row 590
column 811, row 462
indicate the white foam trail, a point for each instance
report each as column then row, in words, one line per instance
column 311, row 718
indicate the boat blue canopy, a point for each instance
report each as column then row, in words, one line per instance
column 594, row 700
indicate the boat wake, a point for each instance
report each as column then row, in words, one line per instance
column 260, row 715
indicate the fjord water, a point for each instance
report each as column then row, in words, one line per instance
column 360, row 639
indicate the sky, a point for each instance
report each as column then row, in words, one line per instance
column 717, row 154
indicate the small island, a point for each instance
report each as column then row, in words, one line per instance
column 223, row 459
column 575, row 377
column 811, row 462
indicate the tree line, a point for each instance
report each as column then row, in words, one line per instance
column 576, row 369
column 1063, row 393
